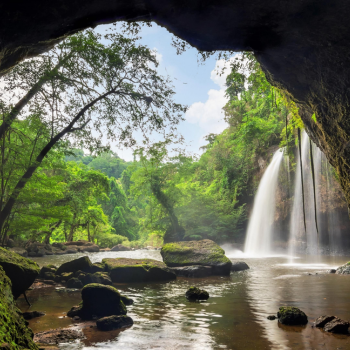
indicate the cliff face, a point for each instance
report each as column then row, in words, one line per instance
column 303, row 46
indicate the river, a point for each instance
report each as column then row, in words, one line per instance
column 234, row 317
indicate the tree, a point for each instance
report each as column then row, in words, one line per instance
column 99, row 90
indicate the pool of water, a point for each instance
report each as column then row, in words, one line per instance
column 234, row 317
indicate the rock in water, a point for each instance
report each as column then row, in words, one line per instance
column 126, row 300
column 271, row 317
column 114, row 322
column 195, row 271
column 344, row 269
column 74, row 283
column 122, row 270
column 13, row 328
column 100, row 301
column 119, row 248
column 239, row 266
column 21, row 271
column 32, row 314
column 204, row 252
column 195, row 294
column 323, row 320
column 83, row 264
column 57, row 336
column 337, row 325
column 291, row 316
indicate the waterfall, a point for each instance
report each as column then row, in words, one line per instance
column 299, row 240
column 260, row 227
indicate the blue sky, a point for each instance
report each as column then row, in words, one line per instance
column 196, row 84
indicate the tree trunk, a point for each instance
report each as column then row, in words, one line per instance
column 6, row 211
column 49, row 233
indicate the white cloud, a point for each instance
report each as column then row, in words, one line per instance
column 209, row 115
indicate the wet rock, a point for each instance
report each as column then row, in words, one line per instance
column 105, row 250
column 195, row 271
column 97, row 277
column 82, row 246
column 114, row 322
column 97, row 267
column 83, row 264
column 204, row 252
column 19, row 251
column 67, row 276
column 49, row 276
column 98, row 301
column 32, row 314
column 195, row 294
column 271, row 317
column 122, row 270
column 291, row 316
column 60, row 246
column 126, row 300
column 13, row 327
column 332, row 271
column 119, row 248
column 344, row 269
column 21, row 271
column 47, row 269
column 239, row 266
column 337, row 325
column 323, row 320
column 75, row 283
column 58, row 336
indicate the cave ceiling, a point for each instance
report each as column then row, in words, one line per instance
column 302, row 45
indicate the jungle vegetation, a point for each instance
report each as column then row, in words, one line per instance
column 59, row 180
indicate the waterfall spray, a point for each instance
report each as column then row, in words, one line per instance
column 260, row 227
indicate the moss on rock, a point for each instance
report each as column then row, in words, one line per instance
column 204, row 252
column 122, row 270
column 13, row 329
column 100, row 301
column 291, row 316
column 83, row 264
column 21, row 271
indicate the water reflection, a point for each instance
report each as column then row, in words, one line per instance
column 233, row 318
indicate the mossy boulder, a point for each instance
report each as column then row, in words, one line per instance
column 126, row 300
column 344, row 269
column 98, row 300
column 291, row 316
column 122, row 270
column 204, row 252
column 97, row 267
column 114, row 322
column 196, row 294
column 13, row 328
column 97, row 277
column 21, row 271
column 83, row 264
column 74, row 283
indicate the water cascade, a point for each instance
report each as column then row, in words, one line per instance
column 299, row 239
column 260, row 227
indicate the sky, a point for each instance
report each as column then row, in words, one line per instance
column 197, row 85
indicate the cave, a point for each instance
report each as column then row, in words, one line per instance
column 302, row 46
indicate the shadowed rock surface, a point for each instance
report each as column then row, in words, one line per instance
column 21, row 271
column 321, row 321
column 204, row 253
column 337, row 326
column 239, row 266
column 13, row 328
column 303, row 46
column 83, row 264
column 114, row 322
column 195, row 271
column 196, row 294
column 98, row 301
column 122, row 270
